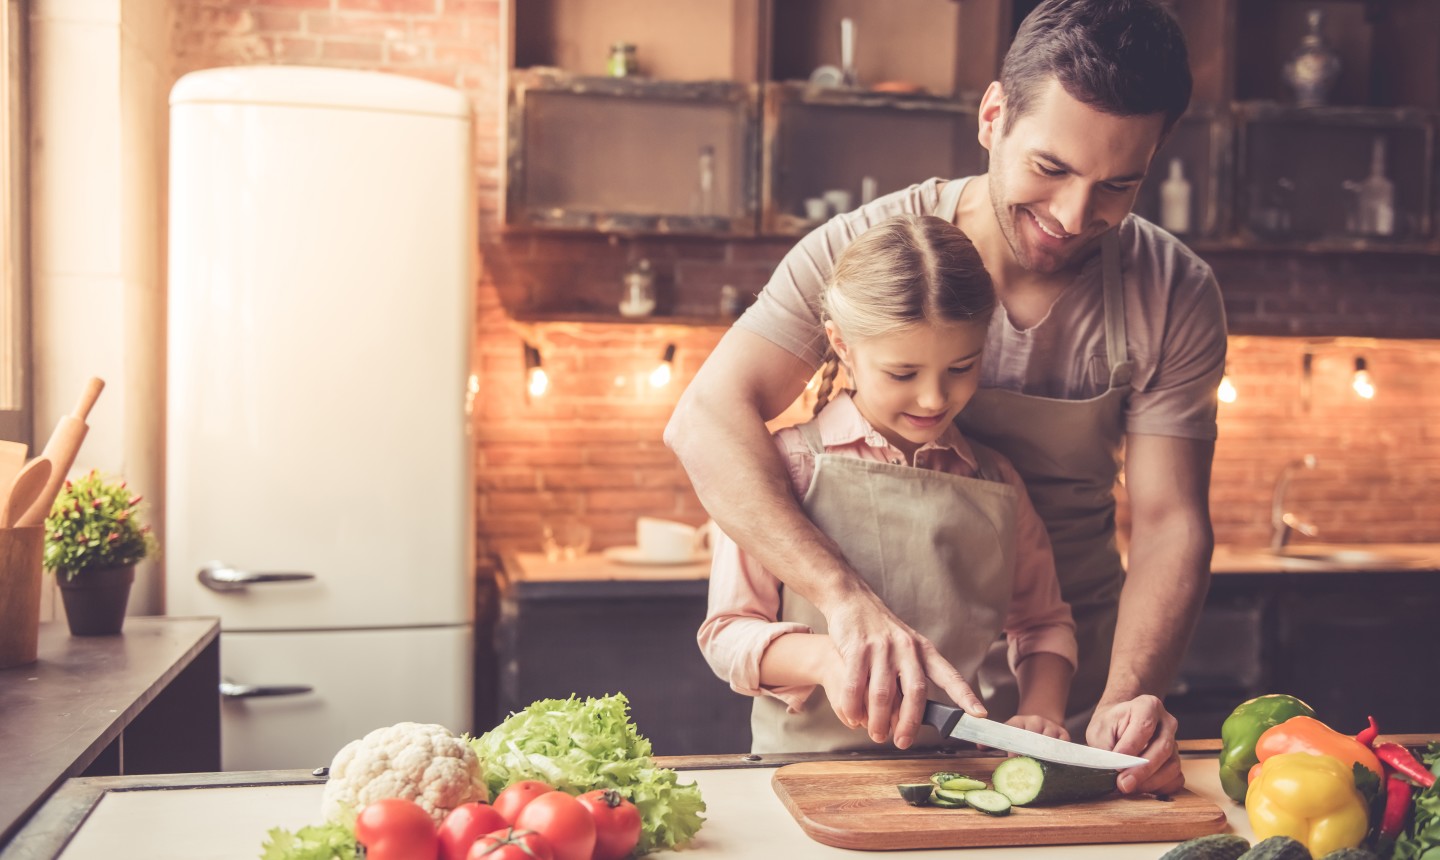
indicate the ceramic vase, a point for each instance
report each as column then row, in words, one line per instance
column 1313, row 67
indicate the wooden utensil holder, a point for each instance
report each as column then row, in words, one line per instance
column 21, row 553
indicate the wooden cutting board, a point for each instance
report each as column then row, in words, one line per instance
column 854, row 804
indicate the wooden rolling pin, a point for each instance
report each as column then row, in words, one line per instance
column 60, row 450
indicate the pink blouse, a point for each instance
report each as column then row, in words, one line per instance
column 745, row 597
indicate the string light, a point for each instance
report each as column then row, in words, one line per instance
column 536, row 382
column 660, row 376
column 1226, row 391
column 1363, row 384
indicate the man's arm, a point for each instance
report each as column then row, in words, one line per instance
column 718, row 432
column 1168, row 482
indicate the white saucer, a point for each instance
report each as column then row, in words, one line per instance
column 632, row 555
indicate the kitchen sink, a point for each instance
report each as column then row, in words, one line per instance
column 1329, row 557
column 1336, row 557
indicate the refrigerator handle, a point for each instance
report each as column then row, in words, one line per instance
column 255, row 691
column 218, row 576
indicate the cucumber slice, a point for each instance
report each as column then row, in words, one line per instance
column 915, row 793
column 942, row 776
column 1026, row 780
column 988, row 802
column 945, row 802
column 962, row 783
column 947, row 794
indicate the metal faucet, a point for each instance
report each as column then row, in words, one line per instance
column 1282, row 522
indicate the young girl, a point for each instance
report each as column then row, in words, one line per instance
column 939, row 527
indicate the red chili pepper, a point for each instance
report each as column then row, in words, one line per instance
column 1398, row 794
column 1400, row 758
column 1367, row 735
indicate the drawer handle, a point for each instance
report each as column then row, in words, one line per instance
column 256, row 691
column 218, row 576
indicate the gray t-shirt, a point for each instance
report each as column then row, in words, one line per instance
column 1174, row 321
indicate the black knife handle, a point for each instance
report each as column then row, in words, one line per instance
column 942, row 717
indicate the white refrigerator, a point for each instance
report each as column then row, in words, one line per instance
column 318, row 491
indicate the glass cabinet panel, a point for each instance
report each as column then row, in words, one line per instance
column 632, row 156
column 828, row 151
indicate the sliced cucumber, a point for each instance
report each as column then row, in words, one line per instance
column 942, row 776
column 915, row 793
column 947, row 794
column 988, row 802
column 1026, row 780
column 946, row 803
column 962, row 783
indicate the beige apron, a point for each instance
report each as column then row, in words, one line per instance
column 938, row 549
column 1068, row 452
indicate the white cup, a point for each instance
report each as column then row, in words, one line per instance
column 666, row 540
column 817, row 209
column 838, row 199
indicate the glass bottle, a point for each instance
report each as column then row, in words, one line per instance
column 1377, row 196
column 1313, row 67
column 1175, row 200
column 622, row 63
column 638, row 298
column 705, row 191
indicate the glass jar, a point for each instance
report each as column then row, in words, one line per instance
column 622, row 62
column 638, row 297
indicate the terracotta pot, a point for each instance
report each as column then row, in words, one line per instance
column 95, row 600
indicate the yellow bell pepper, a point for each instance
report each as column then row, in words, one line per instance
column 1308, row 797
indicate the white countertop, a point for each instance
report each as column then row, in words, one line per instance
column 744, row 819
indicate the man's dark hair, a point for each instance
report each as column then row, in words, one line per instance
column 1121, row 57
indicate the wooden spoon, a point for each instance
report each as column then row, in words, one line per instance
column 28, row 486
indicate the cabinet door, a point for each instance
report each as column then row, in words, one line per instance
column 1354, row 645
column 641, row 646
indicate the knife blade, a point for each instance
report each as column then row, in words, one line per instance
column 955, row 723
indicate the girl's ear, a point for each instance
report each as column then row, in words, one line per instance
column 837, row 343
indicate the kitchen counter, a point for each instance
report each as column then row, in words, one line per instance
column 1342, row 559
column 141, row 702
column 224, row 816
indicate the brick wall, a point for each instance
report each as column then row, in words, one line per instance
column 592, row 446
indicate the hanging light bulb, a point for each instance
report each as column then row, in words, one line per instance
column 536, row 382
column 1363, row 384
column 660, row 376
column 1226, row 392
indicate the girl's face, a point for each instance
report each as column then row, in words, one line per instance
column 911, row 384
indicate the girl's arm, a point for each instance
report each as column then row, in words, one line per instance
column 1044, row 681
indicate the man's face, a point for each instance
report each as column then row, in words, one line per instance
column 1063, row 174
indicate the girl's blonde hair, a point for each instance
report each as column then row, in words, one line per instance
column 903, row 272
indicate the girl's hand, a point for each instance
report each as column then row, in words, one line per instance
column 1037, row 723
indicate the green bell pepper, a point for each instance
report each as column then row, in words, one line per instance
column 1243, row 728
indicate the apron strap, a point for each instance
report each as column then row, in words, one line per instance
column 810, row 434
column 1115, row 347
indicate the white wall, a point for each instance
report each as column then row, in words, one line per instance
column 99, row 78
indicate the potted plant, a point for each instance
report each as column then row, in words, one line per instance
column 93, row 539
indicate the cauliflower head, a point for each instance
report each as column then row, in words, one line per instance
column 422, row 762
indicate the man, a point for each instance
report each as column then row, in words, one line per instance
column 1110, row 334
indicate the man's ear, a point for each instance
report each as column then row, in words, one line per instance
column 992, row 114
column 837, row 343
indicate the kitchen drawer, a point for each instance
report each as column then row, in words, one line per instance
column 360, row 679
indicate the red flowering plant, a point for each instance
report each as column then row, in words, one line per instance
column 94, row 525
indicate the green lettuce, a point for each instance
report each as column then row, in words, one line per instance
column 329, row 841
column 1421, row 840
column 581, row 745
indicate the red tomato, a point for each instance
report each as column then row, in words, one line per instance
column 510, row 844
column 617, row 823
column 464, row 825
column 516, row 795
column 396, row 829
column 564, row 822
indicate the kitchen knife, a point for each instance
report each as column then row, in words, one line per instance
column 955, row 723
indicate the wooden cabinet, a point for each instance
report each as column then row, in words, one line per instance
column 558, row 636
column 627, row 156
column 1349, row 644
